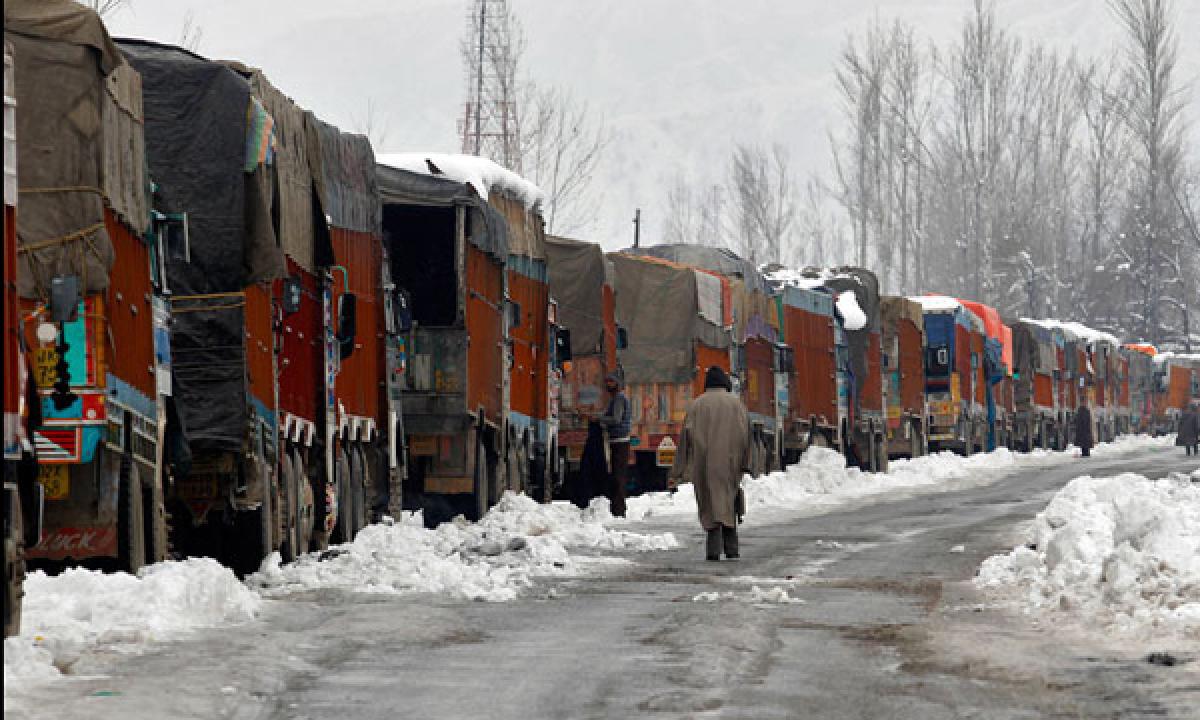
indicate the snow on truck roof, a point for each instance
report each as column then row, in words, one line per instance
column 1075, row 330
column 852, row 315
column 480, row 173
column 937, row 303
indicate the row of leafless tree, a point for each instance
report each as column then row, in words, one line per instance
column 1043, row 184
column 1040, row 183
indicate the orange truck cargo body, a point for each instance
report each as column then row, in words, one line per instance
column 360, row 380
column 584, row 304
column 117, row 398
column 300, row 353
column 759, row 390
column 813, row 411
column 903, row 337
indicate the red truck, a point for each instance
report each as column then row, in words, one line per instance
column 757, row 350
column 860, row 432
column 581, row 284
column 903, row 323
column 953, row 375
column 91, row 291
column 22, row 492
column 465, row 239
column 677, row 325
column 1036, row 366
column 813, row 383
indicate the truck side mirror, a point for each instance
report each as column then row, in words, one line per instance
column 562, row 346
column 291, row 294
column 514, row 313
column 402, row 307
column 622, row 338
column 64, row 298
column 347, row 323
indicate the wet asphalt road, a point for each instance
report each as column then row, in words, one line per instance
column 889, row 627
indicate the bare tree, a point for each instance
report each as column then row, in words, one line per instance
column 1154, row 114
column 562, row 143
column 763, row 200
column 680, row 225
column 191, row 33
column 104, row 8
column 372, row 124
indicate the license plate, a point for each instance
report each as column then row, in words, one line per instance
column 666, row 458
column 56, row 480
column 45, row 371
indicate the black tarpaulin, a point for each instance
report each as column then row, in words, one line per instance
column 196, row 123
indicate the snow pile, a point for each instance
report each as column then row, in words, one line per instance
column 493, row 560
column 821, row 479
column 1123, row 552
column 756, row 596
column 852, row 315
column 68, row 617
column 478, row 172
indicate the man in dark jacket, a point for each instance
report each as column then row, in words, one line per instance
column 1083, row 429
column 616, row 420
column 1189, row 430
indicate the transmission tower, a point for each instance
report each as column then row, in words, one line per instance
column 489, row 125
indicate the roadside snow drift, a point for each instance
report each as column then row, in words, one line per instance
column 492, row 560
column 821, row 479
column 1123, row 552
column 65, row 616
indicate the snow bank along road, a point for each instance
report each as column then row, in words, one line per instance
column 867, row 610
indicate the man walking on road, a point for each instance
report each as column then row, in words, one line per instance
column 1189, row 430
column 616, row 420
column 1083, row 429
column 714, row 452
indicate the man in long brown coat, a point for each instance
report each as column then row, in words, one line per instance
column 714, row 452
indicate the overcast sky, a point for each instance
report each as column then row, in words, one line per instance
column 678, row 81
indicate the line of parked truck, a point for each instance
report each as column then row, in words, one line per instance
column 231, row 330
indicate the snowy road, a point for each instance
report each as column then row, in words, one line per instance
column 864, row 612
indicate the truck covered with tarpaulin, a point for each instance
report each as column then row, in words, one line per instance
column 582, row 287
column 678, row 322
column 465, row 239
column 954, row 338
column 995, row 381
column 903, row 338
column 758, row 356
column 861, row 428
column 91, row 290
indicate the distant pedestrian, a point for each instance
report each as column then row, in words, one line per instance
column 1083, row 429
column 1189, row 430
column 713, row 453
column 616, row 421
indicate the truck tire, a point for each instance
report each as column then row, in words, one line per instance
column 256, row 530
column 481, row 479
column 131, row 522
column 358, row 495
column 343, row 530
column 305, row 505
column 157, row 524
column 14, row 564
column 288, row 544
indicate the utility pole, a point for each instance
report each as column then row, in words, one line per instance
column 489, row 126
column 637, row 227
